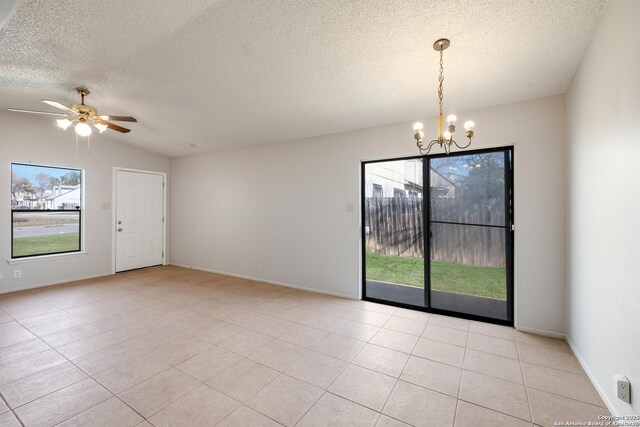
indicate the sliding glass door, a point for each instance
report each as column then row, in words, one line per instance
column 470, row 233
column 467, row 211
column 393, row 234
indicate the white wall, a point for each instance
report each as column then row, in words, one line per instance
column 25, row 138
column 603, row 292
column 284, row 205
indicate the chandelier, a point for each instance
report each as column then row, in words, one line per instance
column 445, row 137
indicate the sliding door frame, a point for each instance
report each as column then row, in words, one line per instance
column 363, row 243
column 426, row 221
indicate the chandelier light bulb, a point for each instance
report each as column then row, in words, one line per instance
column 83, row 129
column 63, row 123
column 100, row 126
column 469, row 125
column 451, row 119
column 447, row 135
column 417, row 126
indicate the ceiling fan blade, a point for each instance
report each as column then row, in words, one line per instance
column 56, row 104
column 18, row 110
column 118, row 118
column 115, row 127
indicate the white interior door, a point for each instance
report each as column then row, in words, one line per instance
column 139, row 219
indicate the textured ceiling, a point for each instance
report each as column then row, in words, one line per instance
column 220, row 74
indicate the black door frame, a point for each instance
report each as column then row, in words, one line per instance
column 426, row 198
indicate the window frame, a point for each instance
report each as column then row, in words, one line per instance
column 79, row 210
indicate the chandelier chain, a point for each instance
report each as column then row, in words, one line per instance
column 440, row 80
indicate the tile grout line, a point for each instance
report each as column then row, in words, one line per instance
column 310, row 407
column 11, row 409
column 464, row 357
column 526, row 390
column 400, row 375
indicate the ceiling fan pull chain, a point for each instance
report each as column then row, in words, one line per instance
column 76, row 146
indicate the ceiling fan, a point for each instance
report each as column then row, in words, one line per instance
column 82, row 115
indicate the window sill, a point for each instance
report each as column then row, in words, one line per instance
column 43, row 257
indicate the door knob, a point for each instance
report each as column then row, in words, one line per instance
column 119, row 229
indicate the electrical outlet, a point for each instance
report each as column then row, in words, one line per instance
column 622, row 387
column 17, row 274
column 260, row 266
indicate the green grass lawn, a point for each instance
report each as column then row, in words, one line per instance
column 445, row 276
column 37, row 245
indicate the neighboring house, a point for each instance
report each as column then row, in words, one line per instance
column 404, row 179
column 60, row 197
column 27, row 200
column 443, row 187
column 394, row 179
column 63, row 197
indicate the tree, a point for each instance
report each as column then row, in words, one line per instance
column 484, row 186
column 20, row 185
column 43, row 183
column 70, row 178
column 54, row 181
column 14, row 187
column 486, row 177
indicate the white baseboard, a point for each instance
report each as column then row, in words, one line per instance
column 271, row 282
column 592, row 377
column 551, row 334
column 59, row 282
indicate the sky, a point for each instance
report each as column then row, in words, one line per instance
column 30, row 171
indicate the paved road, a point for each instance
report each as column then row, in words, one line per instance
column 45, row 231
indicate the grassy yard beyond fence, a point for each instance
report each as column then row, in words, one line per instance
column 35, row 245
column 445, row 276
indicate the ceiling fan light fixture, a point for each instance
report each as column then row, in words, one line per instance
column 83, row 129
column 100, row 126
column 64, row 123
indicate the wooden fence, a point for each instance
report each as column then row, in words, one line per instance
column 394, row 226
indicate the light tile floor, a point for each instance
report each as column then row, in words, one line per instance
column 168, row 346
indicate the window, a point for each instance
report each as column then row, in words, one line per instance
column 46, row 210
column 377, row 190
column 399, row 192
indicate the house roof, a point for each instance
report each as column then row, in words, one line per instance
column 75, row 188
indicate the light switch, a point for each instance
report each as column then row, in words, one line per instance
column 348, row 207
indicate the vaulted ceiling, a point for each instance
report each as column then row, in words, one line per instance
column 227, row 73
